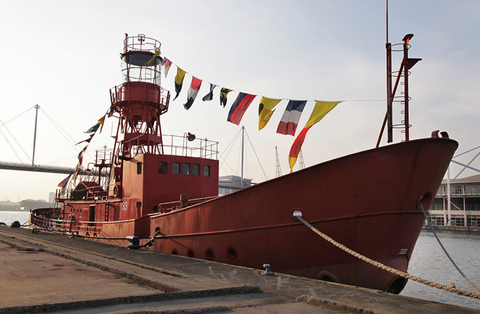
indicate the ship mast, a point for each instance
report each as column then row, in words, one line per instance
column 277, row 162
column 401, row 78
column 401, row 75
column 243, row 153
column 139, row 100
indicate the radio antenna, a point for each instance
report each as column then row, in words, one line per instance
column 386, row 20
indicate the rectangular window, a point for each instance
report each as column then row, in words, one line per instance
column 92, row 215
column 196, row 169
column 206, row 171
column 186, row 168
column 175, row 167
column 139, row 168
column 162, row 167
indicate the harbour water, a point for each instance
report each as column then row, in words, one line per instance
column 428, row 262
column 10, row 216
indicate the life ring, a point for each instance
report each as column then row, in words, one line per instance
column 117, row 191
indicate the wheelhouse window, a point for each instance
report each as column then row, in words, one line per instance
column 196, row 169
column 162, row 167
column 175, row 167
column 206, row 171
column 186, row 168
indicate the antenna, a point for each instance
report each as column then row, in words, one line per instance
column 302, row 162
column 277, row 167
column 386, row 21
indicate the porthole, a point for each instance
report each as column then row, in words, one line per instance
column 209, row 254
column 327, row 276
column 155, row 208
column 190, row 253
column 174, row 252
column 231, row 253
column 425, row 200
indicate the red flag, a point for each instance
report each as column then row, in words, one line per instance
column 239, row 107
column 319, row 111
column 192, row 92
column 167, row 66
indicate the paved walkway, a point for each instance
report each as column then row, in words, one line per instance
column 51, row 272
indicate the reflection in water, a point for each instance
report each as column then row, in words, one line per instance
column 430, row 262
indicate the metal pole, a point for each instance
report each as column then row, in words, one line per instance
column 449, row 200
column 386, row 20
column 389, row 115
column 243, row 135
column 35, row 134
column 405, row 69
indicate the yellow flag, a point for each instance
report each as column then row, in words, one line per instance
column 179, row 81
column 101, row 121
column 157, row 54
column 319, row 111
column 265, row 110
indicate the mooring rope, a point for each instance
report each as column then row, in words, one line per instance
column 385, row 267
column 444, row 250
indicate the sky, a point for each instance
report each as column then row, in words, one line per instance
column 64, row 56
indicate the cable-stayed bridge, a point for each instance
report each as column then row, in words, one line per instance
column 32, row 167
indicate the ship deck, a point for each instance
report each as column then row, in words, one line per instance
column 55, row 273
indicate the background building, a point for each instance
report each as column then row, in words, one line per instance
column 229, row 184
column 464, row 202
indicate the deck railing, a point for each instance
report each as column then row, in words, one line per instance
column 171, row 206
column 42, row 219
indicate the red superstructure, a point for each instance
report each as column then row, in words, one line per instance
column 161, row 192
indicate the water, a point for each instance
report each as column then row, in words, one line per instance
column 428, row 262
column 10, row 216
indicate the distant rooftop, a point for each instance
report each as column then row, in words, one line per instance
column 470, row 179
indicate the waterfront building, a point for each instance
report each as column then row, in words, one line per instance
column 229, row 184
column 464, row 203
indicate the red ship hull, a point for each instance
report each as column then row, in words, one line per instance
column 366, row 201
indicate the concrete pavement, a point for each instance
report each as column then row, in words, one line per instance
column 52, row 272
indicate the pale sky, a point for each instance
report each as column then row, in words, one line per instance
column 64, row 56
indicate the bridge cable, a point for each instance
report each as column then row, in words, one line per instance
column 225, row 152
column 18, row 115
column 11, row 146
column 248, row 137
column 60, row 129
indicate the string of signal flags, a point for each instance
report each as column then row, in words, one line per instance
column 288, row 123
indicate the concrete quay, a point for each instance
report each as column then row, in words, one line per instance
column 48, row 272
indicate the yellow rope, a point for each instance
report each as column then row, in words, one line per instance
column 387, row 268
